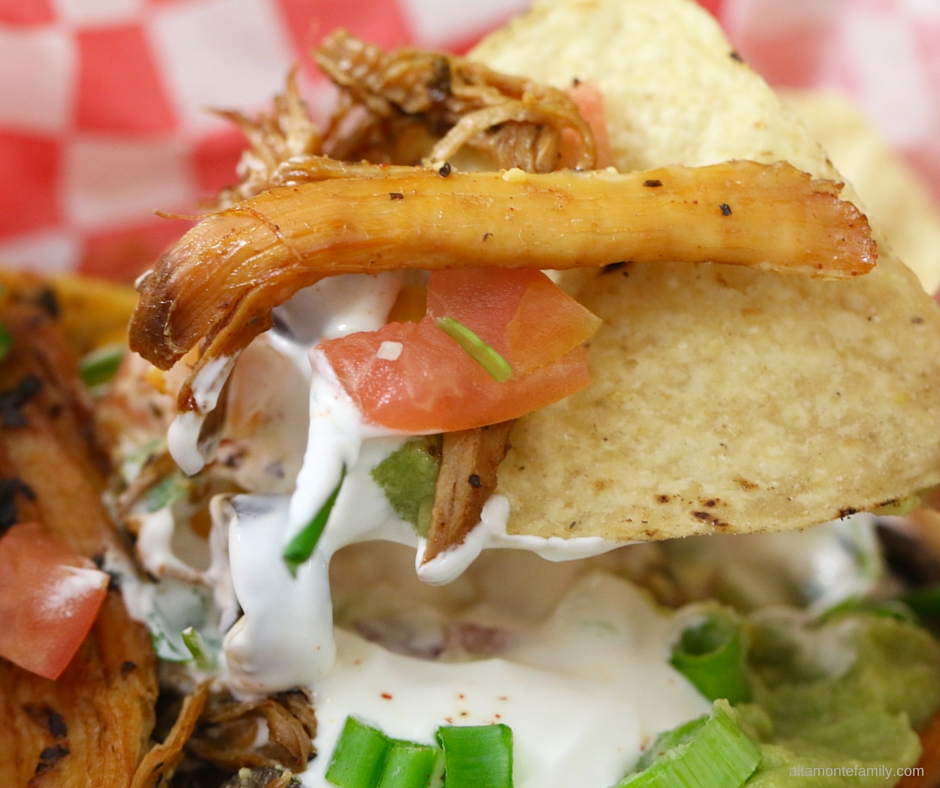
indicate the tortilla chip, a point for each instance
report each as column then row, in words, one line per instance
column 722, row 400
column 898, row 204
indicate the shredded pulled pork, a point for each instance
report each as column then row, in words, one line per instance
column 162, row 760
column 274, row 138
column 261, row 777
column 407, row 107
column 222, row 280
column 228, row 731
column 394, row 107
column 467, row 478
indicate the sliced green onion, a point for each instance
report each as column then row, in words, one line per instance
column 6, row 341
column 301, row 547
column 477, row 756
column 99, row 366
column 476, row 348
column 709, row 752
column 359, row 757
column 897, row 609
column 411, row 765
column 711, row 656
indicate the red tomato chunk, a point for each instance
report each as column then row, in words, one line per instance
column 49, row 599
column 423, row 381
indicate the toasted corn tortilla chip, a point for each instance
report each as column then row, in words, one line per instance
column 721, row 400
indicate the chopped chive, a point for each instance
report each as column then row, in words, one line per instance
column 711, row 656
column 476, row 348
column 99, row 366
column 477, row 756
column 197, row 647
column 6, row 341
column 359, row 757
column 301, row 547
column 411, row 765
column 708, row 752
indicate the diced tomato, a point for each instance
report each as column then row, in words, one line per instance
column 590, row 103
column 423, row 381
column 49, row 599
column 522, row 314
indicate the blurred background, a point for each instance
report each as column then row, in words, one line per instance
column 103, row 103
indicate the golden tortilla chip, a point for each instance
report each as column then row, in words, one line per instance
column 722, row 400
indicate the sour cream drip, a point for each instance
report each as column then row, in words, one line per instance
column 332, row 308
column 183, row 435
column 491, row 532
column 285, row 637
column 337, row 432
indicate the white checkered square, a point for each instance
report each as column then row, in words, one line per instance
column 98, row 12
column 47, row 251
column 766, row 16
column 436, row 23
column 36, row 78
column 228, row 54
column 110, row 181
column 923, row 9
column 897, row 97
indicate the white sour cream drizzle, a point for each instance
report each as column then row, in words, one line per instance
column 584, row 693
column 183, row 436
column 491, row 532
column 285, row 636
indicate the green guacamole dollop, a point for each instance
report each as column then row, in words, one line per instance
column 408, row 476
column 839, row 704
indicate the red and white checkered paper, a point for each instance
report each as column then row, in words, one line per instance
column 103, row 102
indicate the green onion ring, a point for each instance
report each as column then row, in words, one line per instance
column 711, row 655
